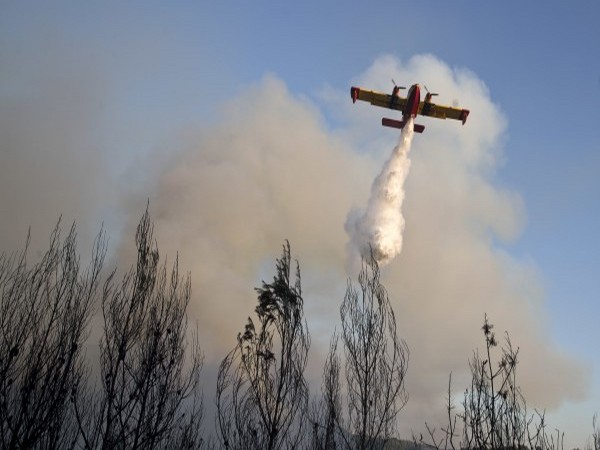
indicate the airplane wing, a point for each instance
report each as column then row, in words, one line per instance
column 443, row 112
column 378, row 98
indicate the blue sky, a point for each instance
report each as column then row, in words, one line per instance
column 157, row 69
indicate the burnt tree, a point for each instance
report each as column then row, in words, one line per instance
column 494, row 412
column 262, row 394
column 150, row 370
column 376, row 361
column 44, row 312
column 326, row 414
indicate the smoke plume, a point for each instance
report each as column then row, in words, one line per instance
column 225, row 194
column 379, row 228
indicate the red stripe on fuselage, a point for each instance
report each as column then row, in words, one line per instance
column 412, row 104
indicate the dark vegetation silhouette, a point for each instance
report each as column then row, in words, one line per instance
column 325, row 416
column 262, row 395
column 149, row 397
column 493, row 413
column 376, row 361
column 595, row 434
column 145, row 391
column 44, row 312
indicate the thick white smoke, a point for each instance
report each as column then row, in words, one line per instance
column 379, row 228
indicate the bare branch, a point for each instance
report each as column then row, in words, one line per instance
column 44, row 313
column 494, row 412
column 150, row 393
column 262, row 395
column 376, row 361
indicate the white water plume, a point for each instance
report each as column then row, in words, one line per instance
column 379, row 228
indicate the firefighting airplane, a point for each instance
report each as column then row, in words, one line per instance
column 410, row 105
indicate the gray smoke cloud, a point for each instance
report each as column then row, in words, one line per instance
column 269, row 168
column 52, row 161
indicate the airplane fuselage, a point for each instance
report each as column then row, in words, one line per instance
column 411, row 108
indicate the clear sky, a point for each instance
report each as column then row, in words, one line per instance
column 143, row 71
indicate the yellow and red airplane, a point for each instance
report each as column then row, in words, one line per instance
column 410, row 105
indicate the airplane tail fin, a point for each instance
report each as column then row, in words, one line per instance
column 400, row 124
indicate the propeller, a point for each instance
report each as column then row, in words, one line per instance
column 396, row 86
column 431, row 94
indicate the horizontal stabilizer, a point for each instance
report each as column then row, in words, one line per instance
column 392, row 123
column 400, row 124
